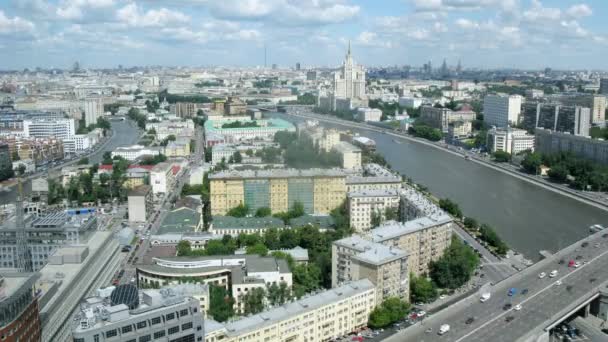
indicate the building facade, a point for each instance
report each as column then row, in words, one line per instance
column 364, row 205
column 502, row 110
column 350, row 155
column 20, row 315
column 510, row 140
column 549, row 142
column 349, row 80
column 140, row 203
column 93, row 109
column 556, row 117
column 58, row 128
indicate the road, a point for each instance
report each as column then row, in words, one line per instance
column 544, row 299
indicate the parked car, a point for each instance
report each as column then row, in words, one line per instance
column 553, row 274
column 541, row 275
column 512, row 292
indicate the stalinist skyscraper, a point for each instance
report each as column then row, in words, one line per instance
column 348, row 87
column 349, row 81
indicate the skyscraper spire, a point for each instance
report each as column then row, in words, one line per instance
column 24, row 257
column 349, row 47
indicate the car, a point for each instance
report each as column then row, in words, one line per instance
column 561, row 261
column 571, row 263
column 597, row 245
column 553, row 274
column 517, row 307
column 421, row 313
column 577, row 264
column 444, row 328
column 507, row 306
column 484, row 297
column 541, row 275
column 509, row 319
column 585, row 244
column 558, row 283
column 579, row 257
column 605, row 235
column 592, row 280
column 512, row 292
column 524, row 291
column 443, row 296
column 429, row 330
column 469, row 320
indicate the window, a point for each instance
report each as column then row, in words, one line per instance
column 173, row 330
column 145, row 338
column 187, row 326
column 155, row 321
column 127, row 329
column 159, row 334
column 141, row 325
column 96, row 338
column 198, row 328
column 75, row 340
column 170, row 316
column 183, row 313
column 111, row 333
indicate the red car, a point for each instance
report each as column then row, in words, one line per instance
column 571, row 263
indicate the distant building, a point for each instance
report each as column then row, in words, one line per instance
column 441, row 118
column 412, row 102
column 41, row 150
column 298, row 66
column 350, row 155
column 140, row 203
column 161, row 315
column 604, row 86
column 326, row 139
column 501, row 110
column 263, row 130
column 533, row 94
column 510, row 140
column 596, row 103
column 355, row 258
column 298, row 254
column 135, row 152
column 571, row 119
column 369, row 114
column 58, row 128
column 459, row 129
column 349, row 81
column 233, row 226
column 550, row 142
column 19, row 307
column 311, row 75
column 184, row 109
column 6, row 165
column 181, row 220
column 93, row 109
column 162, row 178
column 235, row 106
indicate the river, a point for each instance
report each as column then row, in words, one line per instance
column 125, row 133
column 528, row 217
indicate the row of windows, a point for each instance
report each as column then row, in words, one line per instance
column 153, row 321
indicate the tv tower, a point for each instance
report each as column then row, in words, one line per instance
column 24, row 256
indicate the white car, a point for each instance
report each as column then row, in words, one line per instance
column 485, row 297
column 558, row 283
column 553, row 274
column 421, row 313
column 577, row 264
column 517, row 307
column 542, row 275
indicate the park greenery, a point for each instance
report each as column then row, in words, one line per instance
column 304, row 99
column 580, row 174
column 102, row 123
column 455, row 267
column 221, row 304
column 501, row 157
column 450, row 207
column 301, row 153
column 173, row 98
column 426, row 132
column 153, row 160
column 138, row 117
column 240, row 124
column 391, row 310
column 422, row 289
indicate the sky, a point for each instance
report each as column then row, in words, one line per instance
column 528, row 34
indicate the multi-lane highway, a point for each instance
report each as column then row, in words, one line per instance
column 544, row 301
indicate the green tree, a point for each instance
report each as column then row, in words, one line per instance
column 422, row 289
column 489, row 235
column 253, row 301
column 21, row 170
column 103, row 123
column 288, row 238
column 471, row 223
column 558, row 173
column 221, row 305
column 455, row 267
column 259, row 249
column 263, row 212
column 83, row 161
column 451, row 207
column 501, row 156
column 376, row 218
column 271, row 238
column 107, row 158
column 391, row 310
column 183, row 248
column 238, row 158
column 306, row 278
column 532, row 162
column 278, row 294
column 240, row 210
column 15, row 156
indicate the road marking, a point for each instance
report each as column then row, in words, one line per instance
column 532, row 296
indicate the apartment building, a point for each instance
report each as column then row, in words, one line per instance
column 178, row 148
column 317, row 317
column 441, row 118
column 46, row 128
column 184, row 109
column 326, row 139
column 350, row 155
column 93, row 109
column 162, row 178
column 369, row 114
column 363, row 205
column 549, row 142
column 596, row 103
column 556, row 117
column 140, row 203
column 41, row 150
column 424, row 239
column 355, row 258
column 263, row 129
column 120, row 316
column 502, row 110
column 233, row 226
column 135, row 152
column 366, row 183
column 319, row 190
column 510, row 140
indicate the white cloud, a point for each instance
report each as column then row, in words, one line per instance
column 134, row 16
column 466, row 24
column 75, row 9
column 15, row 25
column 540, row 13
column 579, row 11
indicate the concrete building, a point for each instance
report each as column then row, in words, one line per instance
column 263, row 129
column 323, row 316
column 549, row 142
column 181, row 220
column 41, row 150
column 459, row 129
column 596, row 103
column 298, row 254
column 365, row 204
column 412, row 102
column 326, row 139
column 120, row 316
column 441, row 118
column 225, row 151
column 367, row 183
column 71, row 171
column 355, row 258
column 233, row 226
column 135, row 152
column 369, row 114
column 350, row 155
column 19, row 307
column 533, row 94
column 162, row 178
column 235, row 106
column 197, row 240
column 93, row 109
column 501, row 110
column 425, row 239
column 349, row 80
column 510, row 140
column 184, row 109
column 45, row 234
column 319, row 190
column 58, row 128
column 554, row 116
column 6, row 165
column 67, row 280
column 178, row 148
column 603, row 86
column 140, row 203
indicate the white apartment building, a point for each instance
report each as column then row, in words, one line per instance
column 134, row 152
column 412, row 102
column 501, row 110
column 162, row 178
column 510, row 140
column 140, row 204
column 364, row 204
column 369, row 114
column 350, row 154
column 382, row 182
column 355, row 258
column 118, row 315
column 78, row 142
column 322, row 316
column 93, row 109
column 56, row 128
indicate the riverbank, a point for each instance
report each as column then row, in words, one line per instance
column 541, row 183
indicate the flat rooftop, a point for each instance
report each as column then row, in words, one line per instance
column 278, row 173
column 391, row 229
column 369, row 251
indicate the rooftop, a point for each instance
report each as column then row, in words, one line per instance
column 392, row 229
column 278, row 173
column 344, row 146
column 297, row 253
column 279, row 124
column 140, row 190
column 322, row 221
column 373, row 193
column 229, row 222
column 180, row 220
column 371, row 252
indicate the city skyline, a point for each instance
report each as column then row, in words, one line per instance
column 107, row 33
